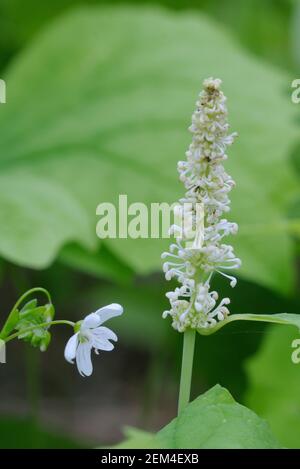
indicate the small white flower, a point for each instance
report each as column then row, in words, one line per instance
column 92, row 335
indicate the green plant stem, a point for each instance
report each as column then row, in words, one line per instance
column 37, row 326
column 29, row 292
column 186, row 368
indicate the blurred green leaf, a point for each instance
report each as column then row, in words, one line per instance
column 212, row 421
column 101, row 263
column 295, row 34
column 37, row 217
column 18, row 433
column 261, row 25
column 108, row 115
column 274, row 384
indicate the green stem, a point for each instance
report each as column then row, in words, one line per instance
column 186, row 368
column 37, row 326
column 29, row 292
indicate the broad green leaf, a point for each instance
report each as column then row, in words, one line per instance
column 213, row 420
column 108, row 114
column 135, row 439
column 274, row 384
column 261, row 26
column 37, row 216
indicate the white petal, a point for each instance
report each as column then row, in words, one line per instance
column 102, row 344
column 104, row 333
column 70, row 349
column 83, row 358
column 109, row 311
column 91, row 321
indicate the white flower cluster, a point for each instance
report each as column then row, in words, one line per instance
column 206, row 182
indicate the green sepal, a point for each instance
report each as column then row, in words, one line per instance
column 10, row 324
column 29, row 305
column 32, row 315
column 77, row 326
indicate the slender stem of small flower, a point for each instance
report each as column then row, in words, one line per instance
column 29, row 292
column 38, row 326
column 186, row 368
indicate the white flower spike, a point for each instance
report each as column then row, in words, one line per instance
column 92, row 335
column 193, row 305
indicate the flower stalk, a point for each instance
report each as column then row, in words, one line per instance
column 189, row 338
column 199, row 251
column 17, row 335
